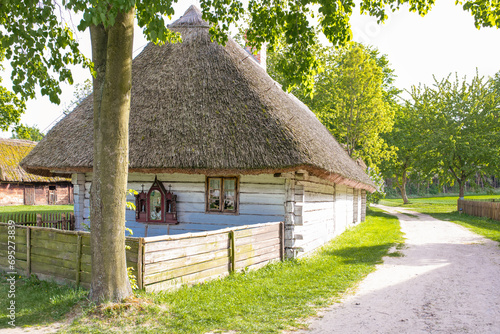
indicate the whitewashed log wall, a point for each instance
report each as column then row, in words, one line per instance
column 314, row 210
column 261, row 200
column 322, row 211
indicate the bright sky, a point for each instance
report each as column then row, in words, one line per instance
column 443, row 42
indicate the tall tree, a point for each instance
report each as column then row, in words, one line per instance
column 460, row 128
column 404, row 140
column 351, row 101
column 39, row 45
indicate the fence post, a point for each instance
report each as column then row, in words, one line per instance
column 140, row 257
column 28, row 251
column 78, row 259
column 38, row 220
column 282, row 240
column 64, row 223
column 232, row 251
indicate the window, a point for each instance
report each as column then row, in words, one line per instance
column 222, row 194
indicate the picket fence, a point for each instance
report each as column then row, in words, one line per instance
column 489, row 209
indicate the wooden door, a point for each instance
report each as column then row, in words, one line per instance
column 29, row 195
column 52, row 195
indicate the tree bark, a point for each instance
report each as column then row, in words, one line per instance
column 112, row 56
column 402, row 186
column 461, row 185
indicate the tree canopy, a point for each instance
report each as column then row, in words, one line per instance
column 459, row 128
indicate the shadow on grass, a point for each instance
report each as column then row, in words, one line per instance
column 361, row 255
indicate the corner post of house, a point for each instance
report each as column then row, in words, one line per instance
column 363, row 205
column 289, row 216
column 355, row 201
column 293, row 214
column 78, row 181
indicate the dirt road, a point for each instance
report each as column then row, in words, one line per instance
column 448, row 281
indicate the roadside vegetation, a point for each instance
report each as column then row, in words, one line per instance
column 445, row 208
column 268, row 300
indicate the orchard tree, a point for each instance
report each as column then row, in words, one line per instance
column 404, row 139
column 459, row 128
column 41, row 47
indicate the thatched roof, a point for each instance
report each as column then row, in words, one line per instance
column 12, row 151
column 198, row 107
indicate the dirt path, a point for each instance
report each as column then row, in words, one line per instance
column 448, row 281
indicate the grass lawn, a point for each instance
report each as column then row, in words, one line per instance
column 445, row 208
column 37, row 302
column 35, row 208
column 268, row 300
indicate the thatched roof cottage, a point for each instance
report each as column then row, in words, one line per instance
column 209, row 123
column 20, row 187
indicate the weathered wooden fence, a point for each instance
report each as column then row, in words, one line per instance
column 160, row 263
column 59, row 220
column 52, row 254
column 171, row 261
column 490, row 209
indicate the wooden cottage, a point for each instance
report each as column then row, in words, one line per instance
column 209, row 127
column 17, row 187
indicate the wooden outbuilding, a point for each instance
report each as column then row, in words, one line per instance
column 227, row 142
column 18, row 187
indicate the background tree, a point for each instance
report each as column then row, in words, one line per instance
column 404, row 139
column 32, row 133
column 350, row 102
column 40, row 48
column 460, row 128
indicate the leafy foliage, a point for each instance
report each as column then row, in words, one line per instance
column 32, row 133
column 459, row 131
column 80, row 93
column 39, row 46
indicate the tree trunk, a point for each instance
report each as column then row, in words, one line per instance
column 461, row 185
column 403, row 188
column 112, row 56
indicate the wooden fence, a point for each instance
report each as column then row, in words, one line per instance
column 489, row 209
column 171, row 261
column 59, row 220
column 160, row 263
column 52, row 254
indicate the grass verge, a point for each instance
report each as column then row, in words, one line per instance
column 268, row 300
column 36, row 302
column 35, row 208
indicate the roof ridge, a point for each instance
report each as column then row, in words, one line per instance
column 192, row 18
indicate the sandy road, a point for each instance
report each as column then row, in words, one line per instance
column 448, row 281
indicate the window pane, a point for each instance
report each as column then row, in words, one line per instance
column 155, row 205
column 214, row 193
column 230, row 194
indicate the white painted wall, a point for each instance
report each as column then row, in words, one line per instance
column 261, row 200
column 314, row 210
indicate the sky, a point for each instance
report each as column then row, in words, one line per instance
column 443, row 42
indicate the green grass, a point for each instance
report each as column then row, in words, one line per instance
column 35, row 208
column 445, row 208
column 268, row 300
column 37, row 302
